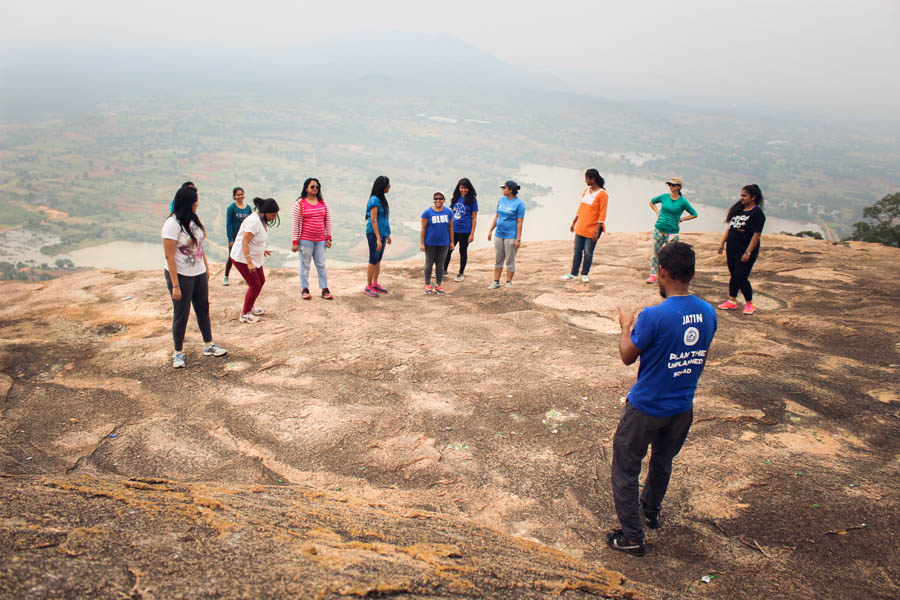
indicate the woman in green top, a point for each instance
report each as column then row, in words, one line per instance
column 668, row 221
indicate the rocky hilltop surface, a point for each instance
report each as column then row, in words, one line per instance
column 415, row 446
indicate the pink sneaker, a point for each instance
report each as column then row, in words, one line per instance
column 749, row 309
column 651, row 279
column 377, row 287
column 428, row 289
column 369, row 291
column 728, row 305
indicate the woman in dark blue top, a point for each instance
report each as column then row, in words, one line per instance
column 464, row 205
column 234, row 216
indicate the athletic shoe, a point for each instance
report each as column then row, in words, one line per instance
column 651, row 279
column 377, row 287
column 617, row 541
column 327, row 294
column 305, row 294
column 749, row 309
column 370, row 291
column 178, row 360
column 439, row 290
column 225, row 280
column 249, row 318
column 258, row 311
column 428, row 289
column 494, row 285
column 584, row 279
column 728, row 305
column 214, row 350
column 459, row 277
column 567, row 277
column 509, row 284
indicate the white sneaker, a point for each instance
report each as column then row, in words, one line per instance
column 178, row 360
column 584, row 279
column 258, row 310
column 494, row 285
column 225, row 280
column 214, row 350
column 567, row 277
column 509, row 284
column 459, row 277
column 249, row 318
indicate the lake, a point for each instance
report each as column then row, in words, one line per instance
column 628, row 211
column 628, row 208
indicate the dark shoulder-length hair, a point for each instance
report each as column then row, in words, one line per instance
column 471, row 198
column 381, row 183
column 737, row 207
column 595, row 175
column 183, row 209
column 306, row 183
column 267, row 205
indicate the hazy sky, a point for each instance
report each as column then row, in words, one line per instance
column 834, row 53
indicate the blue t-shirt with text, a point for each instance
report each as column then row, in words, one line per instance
column 384, row 228
column 673, row 338
column 437, row 226
column 462, row 215
column 509, row 211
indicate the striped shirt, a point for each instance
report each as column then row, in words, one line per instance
column 311, row 222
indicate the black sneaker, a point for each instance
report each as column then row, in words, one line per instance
column 617, row 541
column 652, row 518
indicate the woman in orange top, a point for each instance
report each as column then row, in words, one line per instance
column 589, row 223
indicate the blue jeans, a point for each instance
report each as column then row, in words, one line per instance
column 312, row 251
column 583, row 245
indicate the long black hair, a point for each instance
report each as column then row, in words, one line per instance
column 183, row 209
column 306, row 183
column 595, row 175
column 267, row 205
column 737, row 207
column 472, row 197
column 381, row 183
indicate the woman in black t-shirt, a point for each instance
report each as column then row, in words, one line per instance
column 741, row 245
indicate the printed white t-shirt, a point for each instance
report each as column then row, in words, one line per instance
column 252, row 224
column 188, row 253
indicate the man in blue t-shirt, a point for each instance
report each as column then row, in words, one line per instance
column 672, row 339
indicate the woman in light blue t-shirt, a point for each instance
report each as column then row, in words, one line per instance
column 378, row 233
column 508, row 222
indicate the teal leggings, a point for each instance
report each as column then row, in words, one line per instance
column 660, row 239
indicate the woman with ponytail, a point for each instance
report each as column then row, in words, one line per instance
column 187, row 272
column 378, row 233
column 249, row 252
column 741, row 245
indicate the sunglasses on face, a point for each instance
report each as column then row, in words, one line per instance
column 313, row 187
column 438, row 198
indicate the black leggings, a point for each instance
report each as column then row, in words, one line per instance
column 228, row 262
column 194, row 290
column 463, row 240
column 740, row 275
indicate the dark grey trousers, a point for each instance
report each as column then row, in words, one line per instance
column 638, row 430
column 435, row 257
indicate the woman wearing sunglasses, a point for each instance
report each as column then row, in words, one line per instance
column 669, row 209
column 311, row 234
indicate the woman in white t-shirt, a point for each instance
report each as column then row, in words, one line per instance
column 249, row 251
column 183, row 235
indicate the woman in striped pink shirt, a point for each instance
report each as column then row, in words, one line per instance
column 311, row 234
